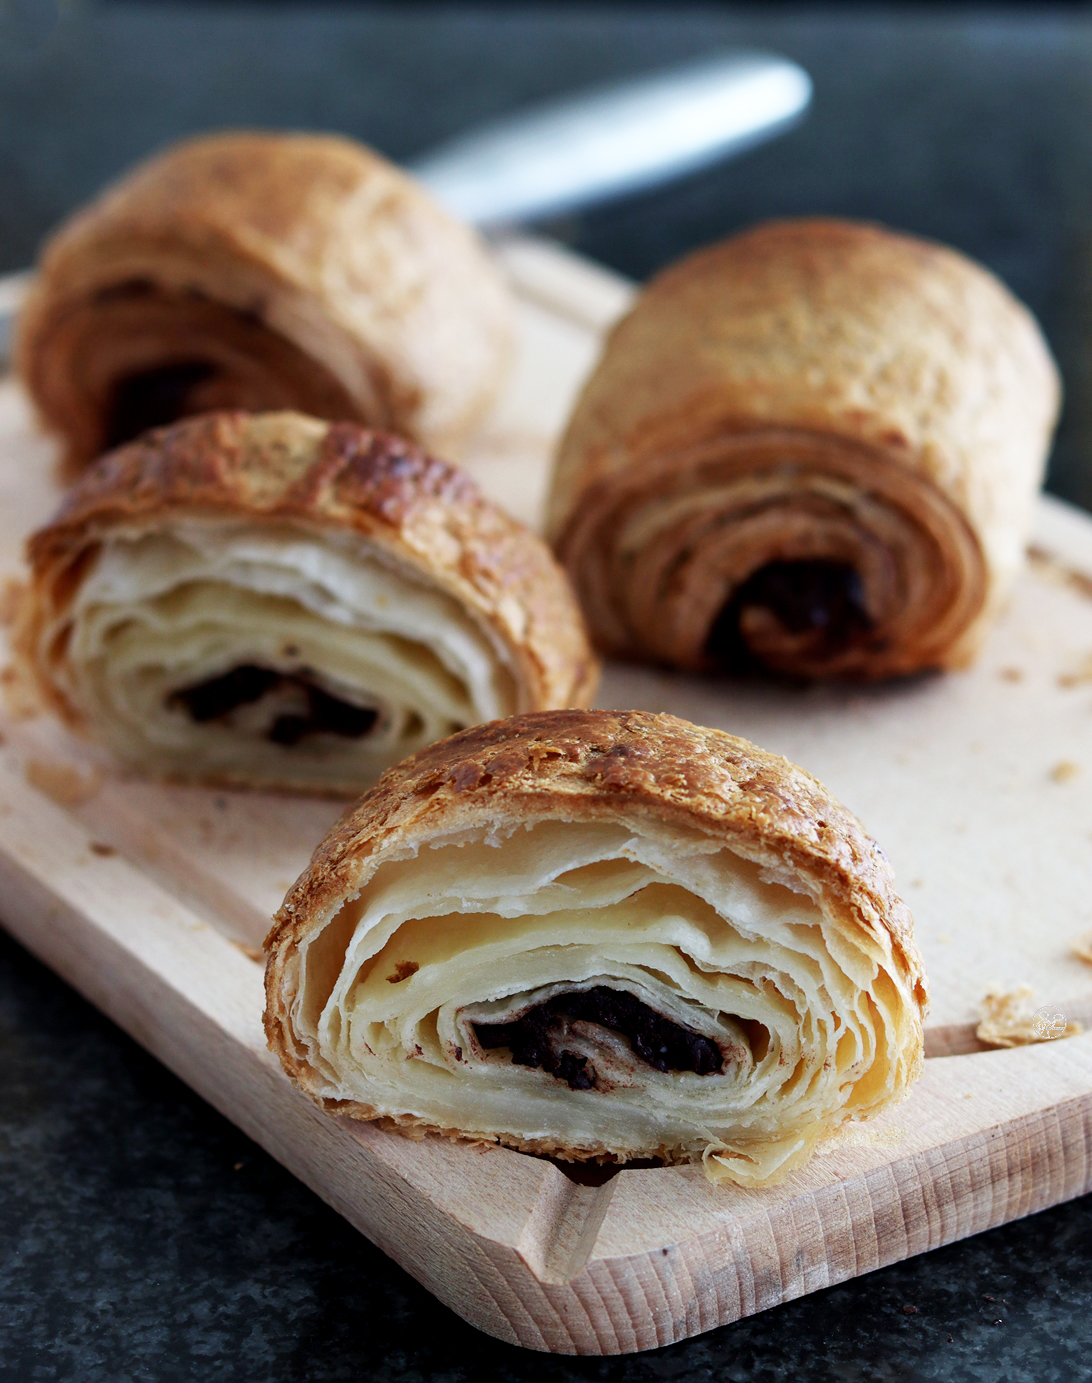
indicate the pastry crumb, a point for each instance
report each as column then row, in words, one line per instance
column 99, row 847
column 1078, row 674
column 1008, row 1020
column 21, row 698
column 1064, row 771
column 856, row 1134
column 1082, row 947
column 12, row 591
column 251, row 952
column 402, row 971
column 1052, row 567
column 1011, row 674
column 69, row 785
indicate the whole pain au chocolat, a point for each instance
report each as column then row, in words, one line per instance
column 811, row 450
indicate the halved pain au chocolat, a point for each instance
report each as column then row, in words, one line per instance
column 275, row 600
column 601, row 935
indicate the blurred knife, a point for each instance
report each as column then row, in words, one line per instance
column 604, row 143
column 591, row 147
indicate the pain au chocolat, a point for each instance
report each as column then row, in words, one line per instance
column 264, row 271
column 279, row 601
column 812, row 449
column 600, row 935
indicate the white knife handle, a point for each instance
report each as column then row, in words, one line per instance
column 615, row 139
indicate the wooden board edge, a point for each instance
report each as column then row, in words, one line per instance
column 550, row 1286
column 850, row 1226
column 545, row 1286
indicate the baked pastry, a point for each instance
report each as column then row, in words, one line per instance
column 600, row 935
column 280, row 601
column 812, row 449
column 264, row 271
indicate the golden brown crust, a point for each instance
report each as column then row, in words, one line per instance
column 896, row 368
column 313, row 273
column 426, row 514
column 594, row 765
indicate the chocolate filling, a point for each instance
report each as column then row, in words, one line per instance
column 153, row 398
column 656, row 1040
column 819, row 597
column 326, row 714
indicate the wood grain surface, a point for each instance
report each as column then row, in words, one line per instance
column 152, row 899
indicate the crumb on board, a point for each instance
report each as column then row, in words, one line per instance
column 1011, row 674
column 1008, row 1019
column 1047, row 564
column 856, row 1134
column 12, row 591
column 1077, row 675
column 99, row 847
column 1082, row 947
column 67, row 784
column 1064, row 771
column 251, row 952
column 21, row 698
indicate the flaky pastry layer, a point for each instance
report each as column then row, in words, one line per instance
column 278, row 600
column 600, row 934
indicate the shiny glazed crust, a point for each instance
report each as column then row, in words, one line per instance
column 897, row 369
column 657, row 772
column 319, row 275
column 427, row 515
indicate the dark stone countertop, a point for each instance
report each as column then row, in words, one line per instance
column 141, row 1237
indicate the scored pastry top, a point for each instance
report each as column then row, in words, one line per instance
column 583, row 764
column 426, row 514
column 379, row 304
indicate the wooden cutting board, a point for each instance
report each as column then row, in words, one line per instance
column 152, row 900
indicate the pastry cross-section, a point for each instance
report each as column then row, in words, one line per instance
column 604, row 936
column 276, row 600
